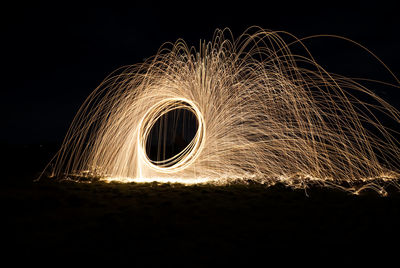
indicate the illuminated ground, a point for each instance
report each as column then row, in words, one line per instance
column 66, row 222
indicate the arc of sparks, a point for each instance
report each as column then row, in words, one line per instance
column 263, row 113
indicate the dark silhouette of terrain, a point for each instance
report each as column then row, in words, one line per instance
column 63, row 222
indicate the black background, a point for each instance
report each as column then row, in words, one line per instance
column 55, row 54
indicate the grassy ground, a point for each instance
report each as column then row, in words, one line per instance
column 158, row 224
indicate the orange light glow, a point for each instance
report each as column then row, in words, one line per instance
column 262, row 112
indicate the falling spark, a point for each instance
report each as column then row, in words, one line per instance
column 262, row 113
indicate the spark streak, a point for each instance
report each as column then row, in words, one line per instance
column 262, row 112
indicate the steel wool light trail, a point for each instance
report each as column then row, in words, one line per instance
column 262, row 112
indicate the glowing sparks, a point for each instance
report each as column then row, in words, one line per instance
column 162, row 180
column 183, row 159
column 262, row 112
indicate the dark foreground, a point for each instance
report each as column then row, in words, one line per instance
column 151, row 224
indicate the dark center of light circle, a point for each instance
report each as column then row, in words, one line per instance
column 171, row 134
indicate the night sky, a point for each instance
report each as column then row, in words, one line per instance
column 55, row 55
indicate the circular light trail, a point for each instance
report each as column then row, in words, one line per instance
column 185, row 157
column 262, row 113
